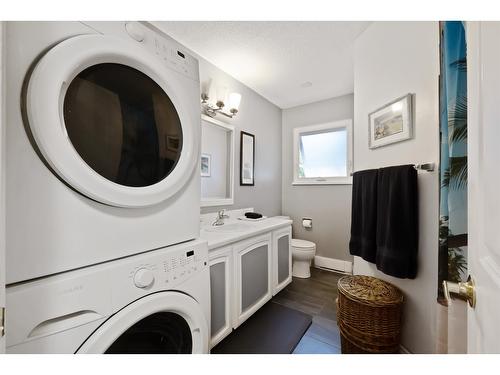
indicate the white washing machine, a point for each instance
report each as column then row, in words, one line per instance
column 103, row 134
column 157, row 302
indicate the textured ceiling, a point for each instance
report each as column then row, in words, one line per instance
column 288, row 63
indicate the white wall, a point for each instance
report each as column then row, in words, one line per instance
column 261, row 118
column 328, row 205
column 392, row 59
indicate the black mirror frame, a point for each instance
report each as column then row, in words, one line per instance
column 242, row 134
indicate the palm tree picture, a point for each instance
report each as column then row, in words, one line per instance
column 453, row 158
column 455, row 176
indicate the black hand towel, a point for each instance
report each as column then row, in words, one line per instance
column 397, row 221
column 364, row 215
column 253, row 215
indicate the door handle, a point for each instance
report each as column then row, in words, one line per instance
column 464, row 290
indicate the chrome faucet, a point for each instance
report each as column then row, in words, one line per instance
column 221, row 215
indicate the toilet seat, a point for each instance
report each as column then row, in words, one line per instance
column 302, row 245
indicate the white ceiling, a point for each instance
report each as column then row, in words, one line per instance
column 288, row 63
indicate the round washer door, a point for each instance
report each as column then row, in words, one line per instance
column 161, row 323
column 111, row 120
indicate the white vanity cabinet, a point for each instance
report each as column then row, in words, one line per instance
column 245, row 274
column 282, row 259
column 253, row 261
column 221, row 293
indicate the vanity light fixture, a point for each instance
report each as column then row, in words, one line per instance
column 211, row 110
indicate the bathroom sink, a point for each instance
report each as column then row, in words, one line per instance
column 232, row 227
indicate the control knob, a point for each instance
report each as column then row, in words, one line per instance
column 143, row 278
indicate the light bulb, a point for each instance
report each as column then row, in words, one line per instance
column 221, row 94
column 212, row 94
column 234, row 100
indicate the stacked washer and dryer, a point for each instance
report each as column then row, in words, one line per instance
column 103, row 191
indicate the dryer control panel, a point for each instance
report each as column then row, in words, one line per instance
column 173, row 54
column 148, row 35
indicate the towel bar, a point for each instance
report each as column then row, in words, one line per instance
column 429, row 167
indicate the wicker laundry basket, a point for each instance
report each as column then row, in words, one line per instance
column 369, row 315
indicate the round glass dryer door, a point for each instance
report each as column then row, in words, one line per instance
column 122, row 124
column 112, row 121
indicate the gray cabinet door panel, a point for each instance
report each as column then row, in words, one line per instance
column 283, row 258
column 218, row 297
column 254, row 276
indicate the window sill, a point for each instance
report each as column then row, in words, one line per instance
column 340, row 181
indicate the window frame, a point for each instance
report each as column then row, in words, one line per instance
column 324, row 127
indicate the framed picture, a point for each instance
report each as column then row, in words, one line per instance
column 247, row 159
column 205, row 165
column 391, row 123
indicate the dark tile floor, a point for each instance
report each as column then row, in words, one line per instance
column 316, row 297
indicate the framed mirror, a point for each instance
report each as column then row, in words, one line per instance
column 216, row 162
column 247, row 159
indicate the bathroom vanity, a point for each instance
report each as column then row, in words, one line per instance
column 249, row 263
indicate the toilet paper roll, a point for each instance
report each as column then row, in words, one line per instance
column 307, row 223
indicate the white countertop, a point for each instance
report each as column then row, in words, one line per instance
column 245, row 229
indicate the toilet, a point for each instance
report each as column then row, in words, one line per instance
column 302, row 254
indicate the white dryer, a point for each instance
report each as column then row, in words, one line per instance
column 157, row 302
column 103, row 135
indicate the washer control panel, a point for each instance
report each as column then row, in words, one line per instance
column 169, row 268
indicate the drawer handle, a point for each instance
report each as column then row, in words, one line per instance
column 63, row 322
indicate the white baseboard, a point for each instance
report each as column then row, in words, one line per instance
column 338, row 265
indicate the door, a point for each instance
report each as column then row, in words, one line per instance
column 110, row 120
column 221, row 294
column 2, row 194
column 253, row 276
column 160, row 323
column 282, row 259
column 483, row 179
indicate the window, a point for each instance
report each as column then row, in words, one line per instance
column 323, row 153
